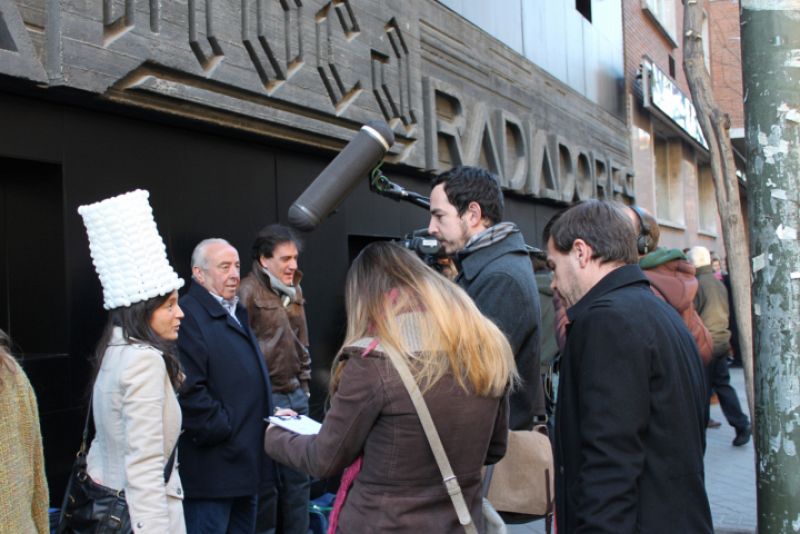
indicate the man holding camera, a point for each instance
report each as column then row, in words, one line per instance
column 494, row 269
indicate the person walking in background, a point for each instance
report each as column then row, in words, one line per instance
column 225, row 398
column 630, row 425
column 274, row 301
column 23, row 486
column 464, row 366
column 711, row 302
column 494, row 269
column 548, row 343
column 136, row 414
column 671, row 276
column 716, row 266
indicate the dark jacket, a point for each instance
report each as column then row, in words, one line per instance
column 280, row 329
column 711, row 302
column 630, row 423
column 399, row 487
column 499, row 278
column 224, row 400
column 672, row 278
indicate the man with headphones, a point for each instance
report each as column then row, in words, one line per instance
column 672, row 277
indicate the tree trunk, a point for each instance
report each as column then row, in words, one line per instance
column 771, row 73
column 715, row 125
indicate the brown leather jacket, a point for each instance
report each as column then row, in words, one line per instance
column 281, row 331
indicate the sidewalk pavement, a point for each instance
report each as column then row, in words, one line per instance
column 730, row 476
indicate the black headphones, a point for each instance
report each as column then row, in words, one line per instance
column 644, row 243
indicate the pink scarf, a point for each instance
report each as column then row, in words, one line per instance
column 348, row 477
column 350, row 473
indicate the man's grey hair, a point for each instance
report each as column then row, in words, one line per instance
column 699, row 256
column 199, row 258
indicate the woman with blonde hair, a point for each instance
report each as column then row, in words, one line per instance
column 397, row 306
column 23, row 487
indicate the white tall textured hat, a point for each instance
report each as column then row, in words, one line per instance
column 127, row 250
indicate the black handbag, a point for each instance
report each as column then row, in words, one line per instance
column 91, row 508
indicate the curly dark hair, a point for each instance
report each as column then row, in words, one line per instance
column 463, row 185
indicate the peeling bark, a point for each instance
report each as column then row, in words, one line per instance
column 771, row 74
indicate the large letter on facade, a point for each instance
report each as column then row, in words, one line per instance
column 444, row 123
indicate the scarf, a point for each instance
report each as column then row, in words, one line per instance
column 280, row 288
column 488, row 237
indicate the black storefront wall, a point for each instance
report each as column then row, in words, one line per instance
column 55, row 157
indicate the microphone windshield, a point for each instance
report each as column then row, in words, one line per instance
column 339, row 178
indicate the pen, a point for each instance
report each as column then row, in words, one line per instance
column 286, row 417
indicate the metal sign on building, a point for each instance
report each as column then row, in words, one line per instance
column 664, row 97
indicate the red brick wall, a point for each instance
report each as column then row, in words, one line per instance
column 643, row 37
column 726, row 58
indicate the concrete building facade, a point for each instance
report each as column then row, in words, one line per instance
column 226, row 111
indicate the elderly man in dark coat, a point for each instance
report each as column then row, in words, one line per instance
column 495, row 270
column 224, row 399
column 630, row 423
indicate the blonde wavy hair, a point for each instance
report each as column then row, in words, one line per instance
column 389, row 290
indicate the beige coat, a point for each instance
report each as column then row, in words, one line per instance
column 138, row 422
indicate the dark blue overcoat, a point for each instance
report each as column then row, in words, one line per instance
column 224, row 400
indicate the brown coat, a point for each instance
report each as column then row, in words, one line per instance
column 399, row 488
column 675, row 282
column 281, row 331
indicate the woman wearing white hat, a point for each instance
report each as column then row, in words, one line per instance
column 137, row 371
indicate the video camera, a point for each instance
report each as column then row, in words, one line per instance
column 425, row 246
column 420, row 241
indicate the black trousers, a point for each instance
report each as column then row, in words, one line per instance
column 718, row 380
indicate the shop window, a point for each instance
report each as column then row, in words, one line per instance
column 706, row 201
column 663, row 12
column 668, row 163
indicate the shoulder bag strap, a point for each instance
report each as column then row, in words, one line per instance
column 449, row 478
column 85, row 435
column 170, row 463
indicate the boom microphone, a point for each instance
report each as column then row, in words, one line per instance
column 340, row 177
